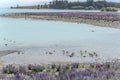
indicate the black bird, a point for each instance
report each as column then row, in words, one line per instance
column 6, row 44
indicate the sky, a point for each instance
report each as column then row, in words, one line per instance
column 8, row 3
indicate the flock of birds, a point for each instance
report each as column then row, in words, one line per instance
column 72, row 54
column 68, row 53
column 84, row 53
column 8, row 41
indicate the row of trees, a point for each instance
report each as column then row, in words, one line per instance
column 58, row 4
column 64, row 4
column 89, row 4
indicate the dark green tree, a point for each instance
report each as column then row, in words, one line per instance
column 38, row 6
column 17, row 5
column 90, row 3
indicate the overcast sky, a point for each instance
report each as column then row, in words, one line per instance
column 8, row 3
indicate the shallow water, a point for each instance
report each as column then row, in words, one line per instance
column 27, row 31
column 23, row 33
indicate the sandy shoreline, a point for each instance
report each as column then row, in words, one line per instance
column 102, row 23
column 59, row 55
column 4, row 53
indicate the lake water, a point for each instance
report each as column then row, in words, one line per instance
column 27, row 32
column 7, row 10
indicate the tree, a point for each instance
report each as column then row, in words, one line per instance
column 11, row 7
column 90, row 3
column 38, row 6
column 17, row 6
column 59, row 4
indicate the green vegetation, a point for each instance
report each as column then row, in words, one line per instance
column 89, row 8
column 77, row 7
column 73, row 71
column 110, row 9
column 64, row 4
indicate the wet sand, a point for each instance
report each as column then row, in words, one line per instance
column 56, row 55
column 4, row 53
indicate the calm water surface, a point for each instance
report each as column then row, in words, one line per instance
column 7, row 10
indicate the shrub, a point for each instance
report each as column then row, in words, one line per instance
column 36, row 68
column 90, row 8
column 10, row 69
column 77, row 7
column 109, row 9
